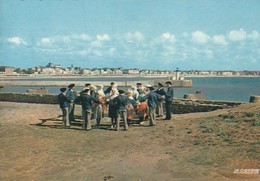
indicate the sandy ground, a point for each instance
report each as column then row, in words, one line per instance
column 196, row 146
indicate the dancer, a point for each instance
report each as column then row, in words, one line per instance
column 112, row 111
column 64, row 102
column 152, row 98
column 168, row 100
column 72, row 95
column 86, row 103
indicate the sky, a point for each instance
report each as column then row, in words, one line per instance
column 145, row 34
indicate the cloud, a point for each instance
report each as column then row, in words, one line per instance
column 168, row 37
column 46, row 40
column 16, row 40
column 165, row 48
column 60, row 40
column 185, row 34
column 199, row 37
column 104, row 37
column 97, row 44
column 219, row 39
column 209, row 54
column 112, row 51
column 254, row 35
column 83, row 36
column 168, row 51
column 137, row 36
column 237, row 35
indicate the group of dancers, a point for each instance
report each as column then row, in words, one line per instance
column 142, row 101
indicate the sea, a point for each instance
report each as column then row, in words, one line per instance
column 214, row 88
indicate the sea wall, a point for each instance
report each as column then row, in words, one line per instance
column 29, row 98
column 62, row 83
column 180, row 106
column 175, row 83
column 254, row 99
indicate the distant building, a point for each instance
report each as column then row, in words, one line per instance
column 131, row 71
column 52, row 65
column 86, row 71
column 9, row 70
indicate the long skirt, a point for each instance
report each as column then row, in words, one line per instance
column 143, row 109
column 130, row 111
column 99, row 112
column 112, row 111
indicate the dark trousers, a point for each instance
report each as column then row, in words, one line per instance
column 71, row 112
column 168, row 107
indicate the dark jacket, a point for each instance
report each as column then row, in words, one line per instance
column 161, row 91
column 120, row 102
column 86, row 101
column 153, row 99
column 63, row 100
column 169, row 94
column 132, row 101
column 112, row 109
column 72, row 95
column 108, row 90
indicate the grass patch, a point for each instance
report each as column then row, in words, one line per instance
column 250, row 114
column 197, row 142
column 225, row 137
column 256, row 123
column 206, row 126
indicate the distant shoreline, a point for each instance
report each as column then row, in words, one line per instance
column 116, row 76
column 220, row 76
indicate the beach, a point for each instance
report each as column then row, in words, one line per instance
column 195, row 146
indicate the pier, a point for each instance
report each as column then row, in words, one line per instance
column 176, row 83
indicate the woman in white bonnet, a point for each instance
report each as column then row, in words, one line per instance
column 100, row 90
column 135, row 93
column 113, row 88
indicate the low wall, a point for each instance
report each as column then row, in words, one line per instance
column 29, row 98
column 176, row 83
column 180, row 106
column 254, row 99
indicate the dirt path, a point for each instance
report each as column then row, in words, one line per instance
column 197, row 146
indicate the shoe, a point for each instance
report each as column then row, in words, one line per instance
column 88, row 129
column 166, row 119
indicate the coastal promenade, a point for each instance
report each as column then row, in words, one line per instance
column 121, row 81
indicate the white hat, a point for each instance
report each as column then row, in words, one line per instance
column 148, row 85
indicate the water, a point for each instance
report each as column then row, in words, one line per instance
column 214, row 88
column 224, row 88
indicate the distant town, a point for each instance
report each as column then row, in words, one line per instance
column 52, row 69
